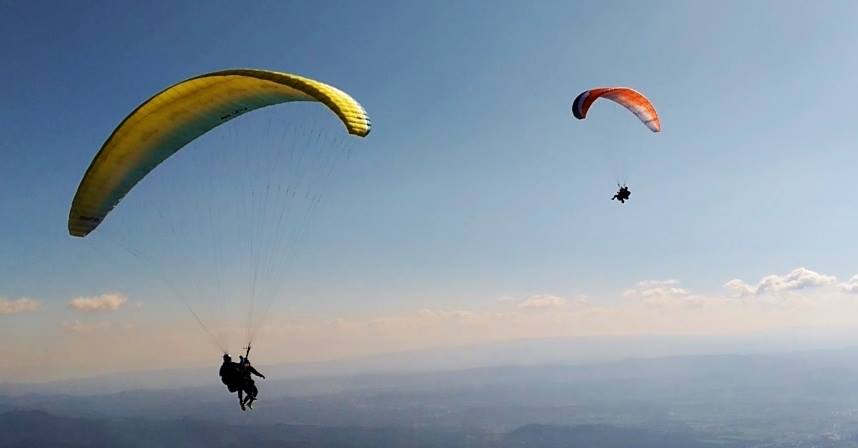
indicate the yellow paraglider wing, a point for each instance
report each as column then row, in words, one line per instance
column 176, row 116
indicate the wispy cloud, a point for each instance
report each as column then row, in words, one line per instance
column 104, row 302
column 797, row 279
column 445, row 314
column 17, row 306
column 81, row 327
column 542, row 302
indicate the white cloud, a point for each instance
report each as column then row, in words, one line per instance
column 104, row 302
column 657, row 291
column 664, row 291
column 740, row 288
column 17, row 306
column 797, row 279
column 851, row 286
column 543, row 301
column 656, row 283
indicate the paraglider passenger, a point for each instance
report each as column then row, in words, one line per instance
column 230, row 375
column 247, row 383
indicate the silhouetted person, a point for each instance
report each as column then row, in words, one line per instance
column 247, row 383
column 622, row 194
column 230, row 375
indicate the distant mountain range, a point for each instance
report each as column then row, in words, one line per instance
column 795, row 399
column 39, row 429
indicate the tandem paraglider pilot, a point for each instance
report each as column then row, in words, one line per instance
column 622, row 194
column 237, row 378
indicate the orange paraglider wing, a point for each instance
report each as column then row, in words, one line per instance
column 629, row 98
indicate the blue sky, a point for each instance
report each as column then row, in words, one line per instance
column 475, row 183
